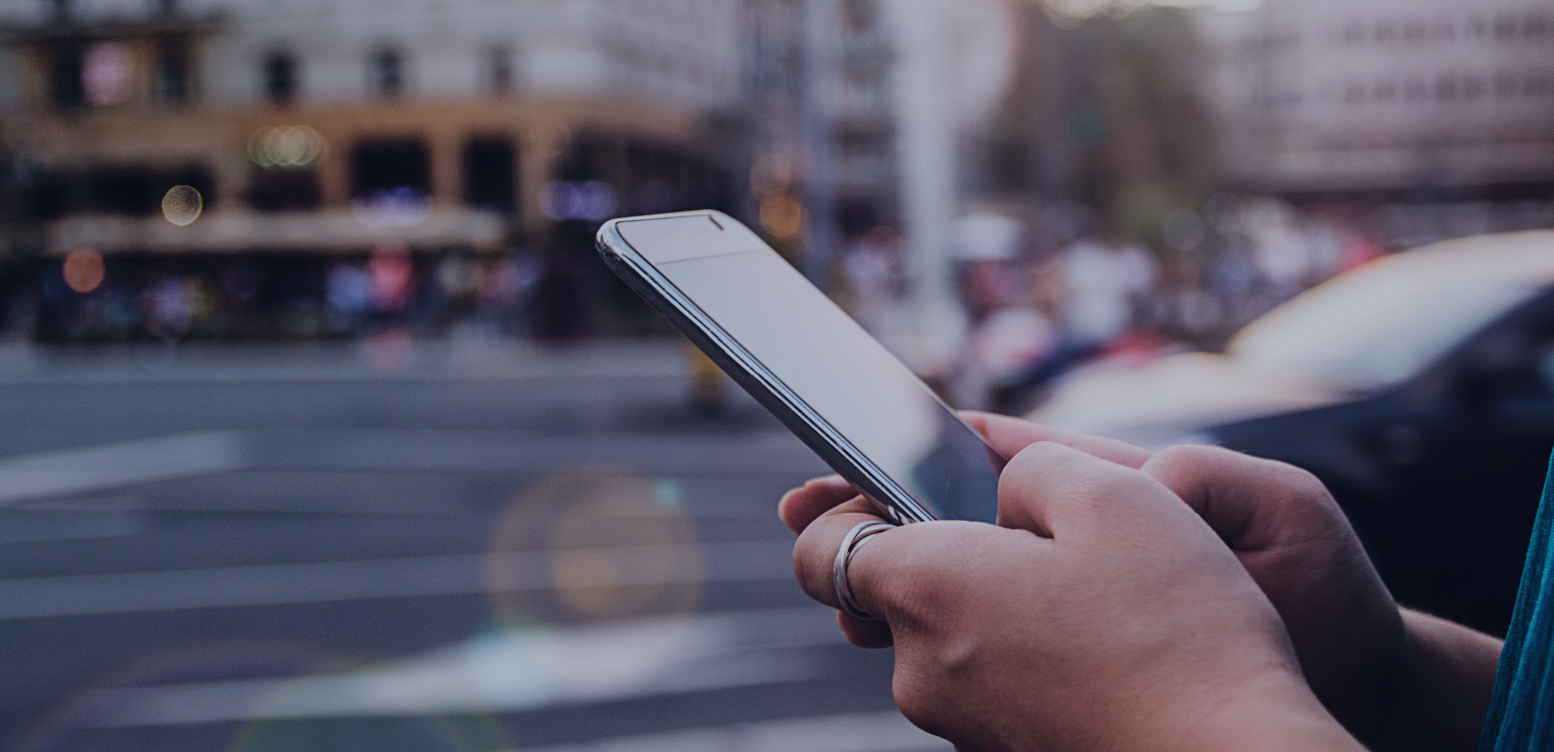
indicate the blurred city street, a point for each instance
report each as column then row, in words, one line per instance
column 323, row 425
column 277, row 548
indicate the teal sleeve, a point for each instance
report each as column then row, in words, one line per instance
column 1521, row 717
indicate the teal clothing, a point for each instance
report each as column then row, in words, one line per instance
column 1521, row 715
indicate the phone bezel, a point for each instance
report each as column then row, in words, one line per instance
column 750, row 373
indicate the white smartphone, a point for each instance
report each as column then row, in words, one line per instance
column 802, row 357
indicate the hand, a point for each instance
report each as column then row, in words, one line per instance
column 1396, row 679
column 1102, row 614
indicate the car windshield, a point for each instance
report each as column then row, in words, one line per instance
column 1376, row 326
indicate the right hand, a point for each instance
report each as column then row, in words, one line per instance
column 1396, row 679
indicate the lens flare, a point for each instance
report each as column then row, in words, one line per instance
column 411, row 733
column 182, row 205
column 116, row 699
column 617, row 544
column 84, row 270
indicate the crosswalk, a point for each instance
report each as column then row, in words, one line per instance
column 734, row 671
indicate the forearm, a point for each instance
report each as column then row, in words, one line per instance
column 1450, row 676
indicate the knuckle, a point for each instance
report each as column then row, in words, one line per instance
column 915, row 580
column 1035, row 457
column 1188, row 455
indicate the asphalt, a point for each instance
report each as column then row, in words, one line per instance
column 466, row 545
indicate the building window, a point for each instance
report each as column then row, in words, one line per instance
column 173, row 75
column 280, row 78
column 389, row 166
column 65, row 74
column 497, row 69
column 1446, row 87
column 490, row 174
column 1505, row 84
column 1505, row 27
column 1537, row 85
column 386, row 73
column 1474, row 87
column 1538, row 26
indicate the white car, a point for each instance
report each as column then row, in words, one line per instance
column 1419, row 387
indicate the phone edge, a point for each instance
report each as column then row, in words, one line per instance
column 747, row 371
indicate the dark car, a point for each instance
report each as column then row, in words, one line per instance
column 1419, row 388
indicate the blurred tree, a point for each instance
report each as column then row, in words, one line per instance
column 1142, row 133
column 1106, row 110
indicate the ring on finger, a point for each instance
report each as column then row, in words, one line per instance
column 844, row 556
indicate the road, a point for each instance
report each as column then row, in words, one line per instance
column 455, row 546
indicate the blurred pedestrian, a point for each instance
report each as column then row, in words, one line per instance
column 1005, row 335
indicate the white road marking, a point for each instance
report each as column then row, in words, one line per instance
column 322, row 582
column 511, row 671
column 97, row 468
column 75, row 471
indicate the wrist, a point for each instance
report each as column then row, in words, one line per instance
column 1443, row 686
column 1270, row 712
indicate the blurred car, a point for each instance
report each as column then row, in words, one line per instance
column 1419, row 388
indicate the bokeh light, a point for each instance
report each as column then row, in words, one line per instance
column 182, row 205
column 618, row 544
column 84, row 270
column 286, row 146
column 594, row 200
column 782, row 216
column 400, row 207
column 107, row 73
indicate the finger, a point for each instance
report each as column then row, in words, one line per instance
column 865, row 634
column 1251, row 503
column 815, row 551
column 802, row 505
column 910, row 575
column 1010, row 435
column 1051, row 490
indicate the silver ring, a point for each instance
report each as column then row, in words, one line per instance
column 844, row 556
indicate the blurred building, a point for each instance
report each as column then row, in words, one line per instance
column 342, row 125
column 866, row 115
column 1438, row 110
column 470, row 104
column 819, row 83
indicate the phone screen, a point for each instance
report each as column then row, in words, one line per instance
column 846, row 376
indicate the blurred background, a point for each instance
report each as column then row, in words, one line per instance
column 324, row 427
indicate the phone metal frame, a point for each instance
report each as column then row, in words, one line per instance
column 748, row 371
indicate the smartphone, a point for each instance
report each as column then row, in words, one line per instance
column 803, row 358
